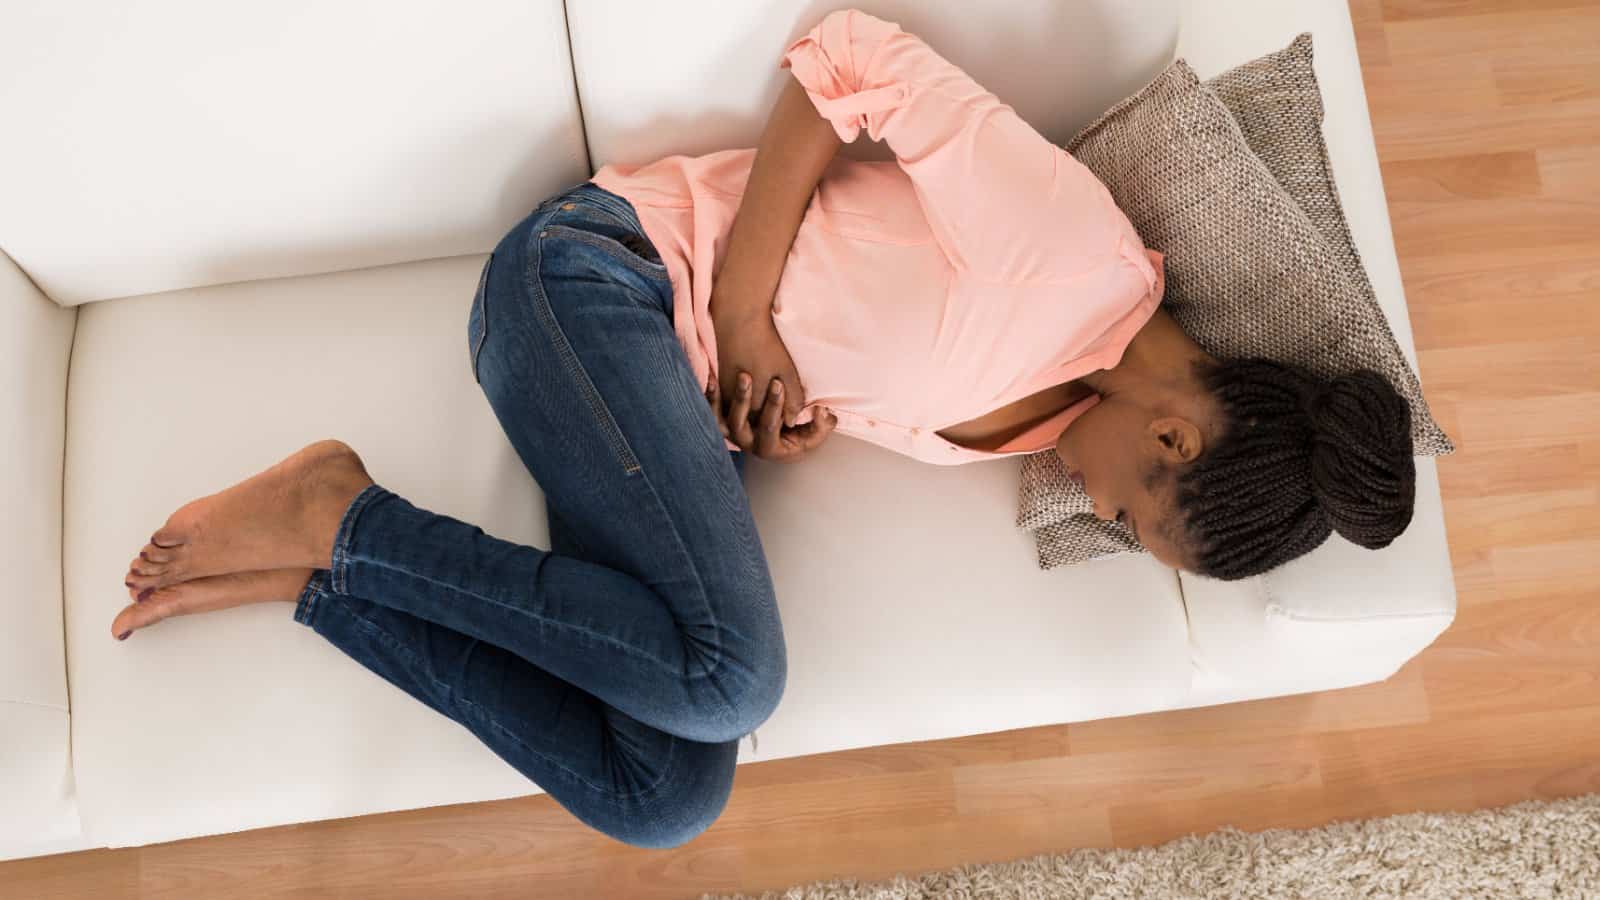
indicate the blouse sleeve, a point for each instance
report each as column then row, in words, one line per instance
column 1003, row 202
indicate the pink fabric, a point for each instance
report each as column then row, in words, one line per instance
column 984, row 265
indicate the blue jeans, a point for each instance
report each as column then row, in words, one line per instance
column 618, row 669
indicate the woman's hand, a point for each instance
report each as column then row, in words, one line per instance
column 755, row 372
column 748, row 341
column 768, row 438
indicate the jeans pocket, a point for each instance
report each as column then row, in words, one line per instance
column 478, row 319
column 612, row 236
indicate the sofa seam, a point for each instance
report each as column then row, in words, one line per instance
column 1277, row 609
column 577, row 91
column 50, row 706
column 61, row 551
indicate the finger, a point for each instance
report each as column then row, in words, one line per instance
column 821, row 427
column 714, row 397
column 772, row 412
column 739, row 415
column 794, row 398
column 769, row 435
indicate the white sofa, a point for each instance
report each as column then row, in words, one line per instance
column 249, row 226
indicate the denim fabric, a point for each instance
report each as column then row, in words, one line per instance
column 618, row 669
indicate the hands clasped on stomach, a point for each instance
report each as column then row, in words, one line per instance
column 750, row 352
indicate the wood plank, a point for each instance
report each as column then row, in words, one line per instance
column 1523, row 369
column 1402, row 700
column 1529, row 76
column 1511, row 27
column 1479, row 176
column 1409, row 10
column 1140, row 775
column 1530, row 422
column 1371, row 45
column 1488, row 129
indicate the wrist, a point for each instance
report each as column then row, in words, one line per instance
column 733, row 306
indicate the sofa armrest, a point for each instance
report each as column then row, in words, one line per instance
column 35, row 765
column 1340, row 615
column 1337, row 617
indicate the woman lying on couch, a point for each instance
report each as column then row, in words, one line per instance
column 980, row 297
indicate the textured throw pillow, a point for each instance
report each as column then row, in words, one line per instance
column 1230, row 180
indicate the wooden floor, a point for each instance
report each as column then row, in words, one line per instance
column 1487, row 117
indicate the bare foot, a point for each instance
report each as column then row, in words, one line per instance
column 210, row 594
column 283, row 518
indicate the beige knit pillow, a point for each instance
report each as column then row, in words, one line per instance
column 1230, row 180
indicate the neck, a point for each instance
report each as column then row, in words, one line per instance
column 1159, row 355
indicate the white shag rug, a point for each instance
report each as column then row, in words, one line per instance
column 1534, row 849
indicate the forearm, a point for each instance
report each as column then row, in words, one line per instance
column 796, row 146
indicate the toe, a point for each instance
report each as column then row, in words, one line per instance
column 157, row 555
column 148, row 608
column 167, row 537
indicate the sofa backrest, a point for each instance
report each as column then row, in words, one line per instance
column 697, row 76
column 169, row 145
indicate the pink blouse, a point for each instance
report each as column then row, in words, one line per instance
column 983, row 265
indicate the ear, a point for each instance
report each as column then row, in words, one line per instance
column 1177, row 440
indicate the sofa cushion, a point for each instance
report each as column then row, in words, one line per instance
column 35, row 763
column 909, row 607
column 1249, row 272
column 158, row 146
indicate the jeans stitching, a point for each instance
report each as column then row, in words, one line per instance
column 481, row 299
column 613, row 249
column 305, row 606
column 575, row 370
column 339, row 572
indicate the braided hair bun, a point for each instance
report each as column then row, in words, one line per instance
column 1362, row 471
column 1297, row 458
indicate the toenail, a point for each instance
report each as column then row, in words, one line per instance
column 124, row 636
column 145, row 595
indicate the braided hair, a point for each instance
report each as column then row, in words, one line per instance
column 1297, row 458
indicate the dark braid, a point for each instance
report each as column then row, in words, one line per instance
column 1298, row 458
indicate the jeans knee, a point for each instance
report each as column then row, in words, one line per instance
column 696, row 796
column 752, row 695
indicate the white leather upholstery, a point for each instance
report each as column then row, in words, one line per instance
column 166, row 145
column 244, row 718
column 920, row 619
column 35, row 771
column 676, row 81
column 1340, row 614
column 912, row 609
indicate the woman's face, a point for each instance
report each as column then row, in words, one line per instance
column 1123, row 455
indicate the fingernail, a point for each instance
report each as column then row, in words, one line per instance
column 124, row 636
column 143, row 557
column 127, row 584
column 145, row 595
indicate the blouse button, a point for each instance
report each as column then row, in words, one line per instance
column 872, row 423
column 916, row 431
